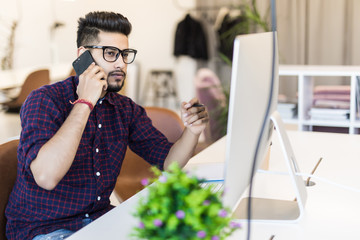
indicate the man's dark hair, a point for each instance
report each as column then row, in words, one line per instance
column 94, row 22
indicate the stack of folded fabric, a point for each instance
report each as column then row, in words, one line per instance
column 286, row 107
column 331, row 102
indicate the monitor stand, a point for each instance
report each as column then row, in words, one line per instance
column 276, row 210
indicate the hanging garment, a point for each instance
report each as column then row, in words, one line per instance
column 190, row 39
column 229, row 29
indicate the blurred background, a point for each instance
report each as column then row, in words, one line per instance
column 37, row 34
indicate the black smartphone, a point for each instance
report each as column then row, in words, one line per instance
column 82, row 62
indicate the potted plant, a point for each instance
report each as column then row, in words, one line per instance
column 177, row 207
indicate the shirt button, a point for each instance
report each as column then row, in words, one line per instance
column 99, row 125
column 100, row 102
column 97, row 150
column 97, row 173
column 98, row 198
column 87, row 215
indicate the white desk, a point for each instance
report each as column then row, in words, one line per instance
column 10, row 126
column 331, row 212
column 16, row 77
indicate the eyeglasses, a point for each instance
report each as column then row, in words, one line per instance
column 111, row 54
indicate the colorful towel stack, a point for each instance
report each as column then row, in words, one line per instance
column 334, row 96
column 331, row 102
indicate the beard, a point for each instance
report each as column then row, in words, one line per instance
column 115, row 86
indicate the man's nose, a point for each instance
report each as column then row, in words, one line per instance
column 119, row 63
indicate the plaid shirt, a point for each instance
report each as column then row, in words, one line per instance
column 115, row 123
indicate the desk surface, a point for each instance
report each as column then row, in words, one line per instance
column 16, row 77
column 331, row 211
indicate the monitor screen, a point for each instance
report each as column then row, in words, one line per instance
column 251, row 94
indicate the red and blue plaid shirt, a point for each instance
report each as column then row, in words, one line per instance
column 115, row 123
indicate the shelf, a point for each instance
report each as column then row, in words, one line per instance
column 291, row 120
column 304, row 75
column 317, row 70
column 327, row 123
column 356, row 124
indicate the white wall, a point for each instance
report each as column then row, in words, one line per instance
column 154, row 24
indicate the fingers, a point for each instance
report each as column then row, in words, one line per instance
column 190, row 108
column 90, row 84
column 193, row 102
column 194, row 113
column 196, row 119
column 94, row 72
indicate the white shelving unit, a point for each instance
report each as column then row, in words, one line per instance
column 304, row 75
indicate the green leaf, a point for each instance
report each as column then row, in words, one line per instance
column 180, row 191
column 172, row 222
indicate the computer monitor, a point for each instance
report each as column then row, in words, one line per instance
column 252, row 107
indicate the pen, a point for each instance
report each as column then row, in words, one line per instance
column 197, row 105
column 312, row 172
column 307, row 183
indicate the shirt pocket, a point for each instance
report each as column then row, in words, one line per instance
column 115, row 156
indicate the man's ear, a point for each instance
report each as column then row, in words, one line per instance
column 80, row 50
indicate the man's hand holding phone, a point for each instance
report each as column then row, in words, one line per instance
column 91, row 83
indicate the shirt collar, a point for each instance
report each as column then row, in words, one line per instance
column 108, row 97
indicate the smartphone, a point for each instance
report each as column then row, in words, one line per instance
column 82, row 62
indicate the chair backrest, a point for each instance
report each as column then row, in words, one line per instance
column 8, row 169
column 33, row 81
column 134, row 168
column 166, row 121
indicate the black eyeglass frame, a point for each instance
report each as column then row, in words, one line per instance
column 121, row 52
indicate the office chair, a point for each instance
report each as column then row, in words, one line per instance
column 33, row 81
column 134, row 168
column 8, row 169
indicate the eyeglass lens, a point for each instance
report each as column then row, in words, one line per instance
column 112, row 54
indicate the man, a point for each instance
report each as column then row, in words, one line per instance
column 75, row 133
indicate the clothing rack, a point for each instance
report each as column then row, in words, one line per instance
column 204, row 8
